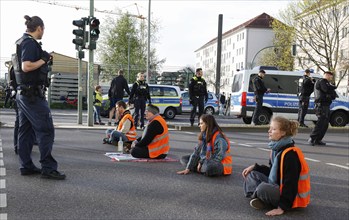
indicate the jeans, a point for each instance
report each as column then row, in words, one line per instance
column 114, row 135
column 97, row 113
column 256, row 186
column 209, row 167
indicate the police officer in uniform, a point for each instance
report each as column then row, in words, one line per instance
column 31, row 68
column 259, row 90
column 198, row 95
column 307, row 87
column 324, row 94
column 139, row 96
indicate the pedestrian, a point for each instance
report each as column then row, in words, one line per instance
column 324, row 94
column 154, row 142
column 285, row 184
column 198, row 95
column 97, row 104
column 259, row 90
column 31, row 69
column 306, row 88
column 116, row 93
column 222, row 102
column 126, row 129
column 211, row 156
column 13, row 86
column 139, row 96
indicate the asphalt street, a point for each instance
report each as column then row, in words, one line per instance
column 98, row 188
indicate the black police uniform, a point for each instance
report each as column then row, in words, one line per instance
column 34, row 114
column 198, row 96
column 139, row 96
column 324, row 94
column 259, row 90
column 306, row 89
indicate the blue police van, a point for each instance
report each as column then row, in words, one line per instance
column 166, row 97
column 282, row 100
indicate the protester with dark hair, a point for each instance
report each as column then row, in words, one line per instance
column 31, row 70
column 211, row 156
column 285, row 184
column 154, row 142
column 198, row 95
column 259, row 90
column 116, row 93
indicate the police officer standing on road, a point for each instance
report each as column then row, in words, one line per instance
column 198, row 95
column 139, row 96
column 31, row 68
column 259, row 90
column 306, row 88
column 324, row 94
column 116, row 93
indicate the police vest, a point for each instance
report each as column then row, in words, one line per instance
column 160, row 144
column 131, row 134
column 227, row 161
column 303, row 195
column 199, row 87
column 35, row 77
column 142, row 89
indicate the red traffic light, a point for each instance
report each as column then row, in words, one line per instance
column 94, row 22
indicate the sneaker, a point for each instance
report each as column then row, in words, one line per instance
column 105, row 140
column 26, row 172
column 101, row 123
column 109, row 123
column 96, row 123
column 257, row 203
column 192, row 123
column 303, row 125
column 54, row 174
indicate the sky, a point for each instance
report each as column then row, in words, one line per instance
column 184, row 25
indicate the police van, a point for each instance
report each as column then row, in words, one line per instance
column 166, row 97
column 281, row 100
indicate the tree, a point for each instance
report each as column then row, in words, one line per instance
column 320, row 28
column 119, row 34
column 280, row 55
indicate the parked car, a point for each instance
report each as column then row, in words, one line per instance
column 166, row 97
column 211, row 107
column 282, row 100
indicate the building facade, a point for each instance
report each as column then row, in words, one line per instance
column 239, row 46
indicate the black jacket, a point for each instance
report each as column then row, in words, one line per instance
column 307, row 86
column 258, row 86
column 117, row 87
column 325, row 92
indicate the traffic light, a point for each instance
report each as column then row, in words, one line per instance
column 94, row 32
column 80, row 36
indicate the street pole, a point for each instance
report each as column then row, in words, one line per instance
column 128, row 57
column 219, row 54
column 90, row 76
column 148, row 47
column 80, row 54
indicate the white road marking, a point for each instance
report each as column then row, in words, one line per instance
column 2, row 171
column 336, row 165
column 1, row 155
column 2, row 184
column 311, row 159
column 264, row 149
column 246, row 145
column 3, row 201
column 1, row 163
column 188, row 132
column 3, row 216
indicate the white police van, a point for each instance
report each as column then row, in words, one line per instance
column 282, row 99
column 166, row 97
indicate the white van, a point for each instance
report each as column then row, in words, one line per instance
column 282, row 100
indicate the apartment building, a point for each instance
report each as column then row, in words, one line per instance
column 239, row 47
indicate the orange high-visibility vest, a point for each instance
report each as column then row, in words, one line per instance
column 227, row 161
column 131, row 134
column 303, row 195
column 160, row 144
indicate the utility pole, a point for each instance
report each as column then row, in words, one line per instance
column 148, row 47
column 219, row 54
column 90, row 75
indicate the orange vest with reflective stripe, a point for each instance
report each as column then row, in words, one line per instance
column 227, row 161
column 303, row 195
column 131, row 134
column 160, row 144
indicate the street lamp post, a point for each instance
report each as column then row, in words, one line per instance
column 128, row 57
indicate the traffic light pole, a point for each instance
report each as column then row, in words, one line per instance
column 90, row 77
column 80, row 103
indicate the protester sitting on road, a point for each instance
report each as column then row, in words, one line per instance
column 154, row 142
column 211, row 156
column 286, row 183
column 126, row 128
